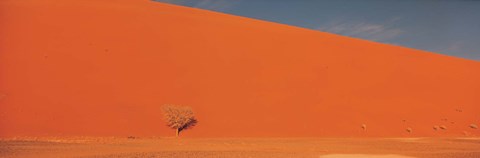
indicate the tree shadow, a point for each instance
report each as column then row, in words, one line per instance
column 188, row 125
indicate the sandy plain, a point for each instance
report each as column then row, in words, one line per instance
column 86, row 147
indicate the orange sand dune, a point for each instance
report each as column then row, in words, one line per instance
column 104, row 68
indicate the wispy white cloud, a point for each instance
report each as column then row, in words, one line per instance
column 216, row 5
column 365, row 30
column 173, row 1
column 455, row 46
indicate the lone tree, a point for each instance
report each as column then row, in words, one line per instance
column 179, row 117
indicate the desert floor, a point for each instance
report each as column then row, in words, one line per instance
column 240, row 147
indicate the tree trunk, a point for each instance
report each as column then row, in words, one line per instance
column 176, row 132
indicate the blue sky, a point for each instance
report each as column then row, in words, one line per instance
column 450, row 27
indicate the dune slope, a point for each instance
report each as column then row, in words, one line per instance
column 104, row 68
